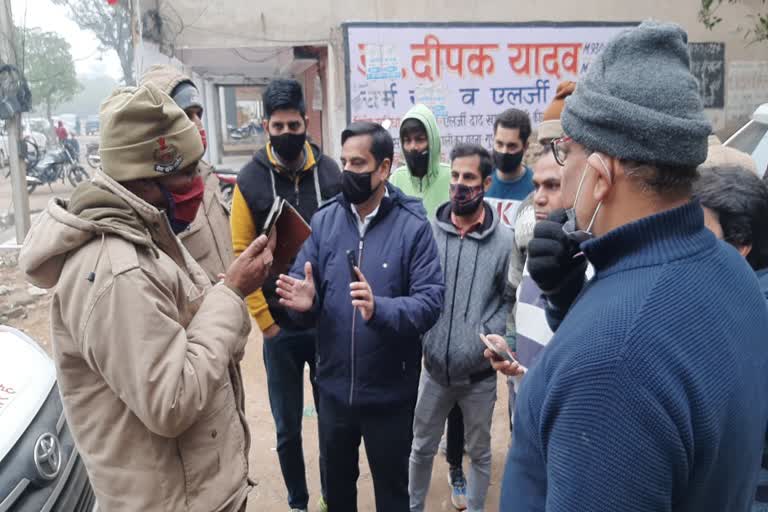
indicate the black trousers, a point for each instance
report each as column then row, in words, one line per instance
column 387, row 432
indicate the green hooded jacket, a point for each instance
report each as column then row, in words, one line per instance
column 433, row 188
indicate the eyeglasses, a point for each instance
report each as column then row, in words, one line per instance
column 559, row 149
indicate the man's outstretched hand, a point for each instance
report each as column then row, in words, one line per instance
column 295, row 294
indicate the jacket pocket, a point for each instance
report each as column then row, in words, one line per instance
column 213, row 454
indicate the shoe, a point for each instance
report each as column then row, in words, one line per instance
column 458, row 488
column 322, row 506
column 298, row 510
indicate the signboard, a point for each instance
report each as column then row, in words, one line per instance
column 708, row 66
column 466, row 73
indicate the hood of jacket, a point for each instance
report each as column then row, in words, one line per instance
column 425, row 116
column 97, row 208
column 443, row 221
column 166, row 78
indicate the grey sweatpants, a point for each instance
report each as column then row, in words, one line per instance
column 434, row 403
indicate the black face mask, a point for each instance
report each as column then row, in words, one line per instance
column 418, row 162
column 507, row 162
column 356, row 187
column 288, row 145
column 466, row 200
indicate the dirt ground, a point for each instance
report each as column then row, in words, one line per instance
column 270, row 492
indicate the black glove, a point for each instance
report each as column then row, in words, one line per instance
column 552, row 261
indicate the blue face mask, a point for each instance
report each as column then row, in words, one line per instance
column 570, row 227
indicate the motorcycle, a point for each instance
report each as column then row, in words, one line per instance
column 92, row 155
column 59, row 164
column 251, row 129
column 227, row 182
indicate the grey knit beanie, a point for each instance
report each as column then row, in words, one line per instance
column 639, row 101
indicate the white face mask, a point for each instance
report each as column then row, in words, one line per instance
column 570, row 228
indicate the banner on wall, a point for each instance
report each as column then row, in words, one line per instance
column 466, row 73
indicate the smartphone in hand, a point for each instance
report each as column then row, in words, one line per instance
column 502, row 352
column 352, row 262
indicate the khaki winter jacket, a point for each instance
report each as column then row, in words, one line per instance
column 208, row 238
column 144, row 351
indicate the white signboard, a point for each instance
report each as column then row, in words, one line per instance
column 467, row 74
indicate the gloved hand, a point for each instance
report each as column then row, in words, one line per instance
column 552, row 261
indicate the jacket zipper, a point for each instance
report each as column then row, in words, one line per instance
column 296, row 189
column 352, row 340
column 450, row 321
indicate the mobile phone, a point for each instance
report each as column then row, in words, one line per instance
column 502, row 352
column 352, row 261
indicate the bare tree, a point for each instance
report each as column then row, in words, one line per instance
column 111, row 24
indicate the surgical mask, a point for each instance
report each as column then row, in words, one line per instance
column 183, row 206
column 288, row 145
column 570, row 228
column 356, row 187
column 507, row 162
column 466, row 200
column 418, row 162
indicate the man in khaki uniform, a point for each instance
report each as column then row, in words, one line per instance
column 207, row 237
column 143, row 344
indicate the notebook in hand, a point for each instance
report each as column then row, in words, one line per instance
column 290, row 229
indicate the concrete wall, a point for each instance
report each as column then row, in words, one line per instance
column 234, row 23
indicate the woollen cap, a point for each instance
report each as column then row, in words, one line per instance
column 639, row 101
column 144, row 134
column 550, row 126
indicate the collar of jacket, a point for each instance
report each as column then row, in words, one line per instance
column 155, row 220
column 661, row 238
column 309, row 161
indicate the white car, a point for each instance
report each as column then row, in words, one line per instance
column 752, row 139
column 40, row 468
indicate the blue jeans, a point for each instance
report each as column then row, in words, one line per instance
column 284, row 359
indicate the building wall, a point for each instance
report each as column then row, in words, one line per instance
column 234, row 23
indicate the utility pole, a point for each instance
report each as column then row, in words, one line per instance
column 13, row 127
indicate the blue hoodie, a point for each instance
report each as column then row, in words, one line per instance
column 376, row 362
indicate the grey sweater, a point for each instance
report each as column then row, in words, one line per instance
column 475, row 270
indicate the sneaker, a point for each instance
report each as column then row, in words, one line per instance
column 322, row 506
column 458, row 488
column 298, row 510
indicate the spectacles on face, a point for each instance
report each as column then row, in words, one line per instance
column 560, row 149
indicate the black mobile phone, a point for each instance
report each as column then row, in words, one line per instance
column 352, row 261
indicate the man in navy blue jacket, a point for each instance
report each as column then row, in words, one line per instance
column 651, row 395
column 369, row 327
